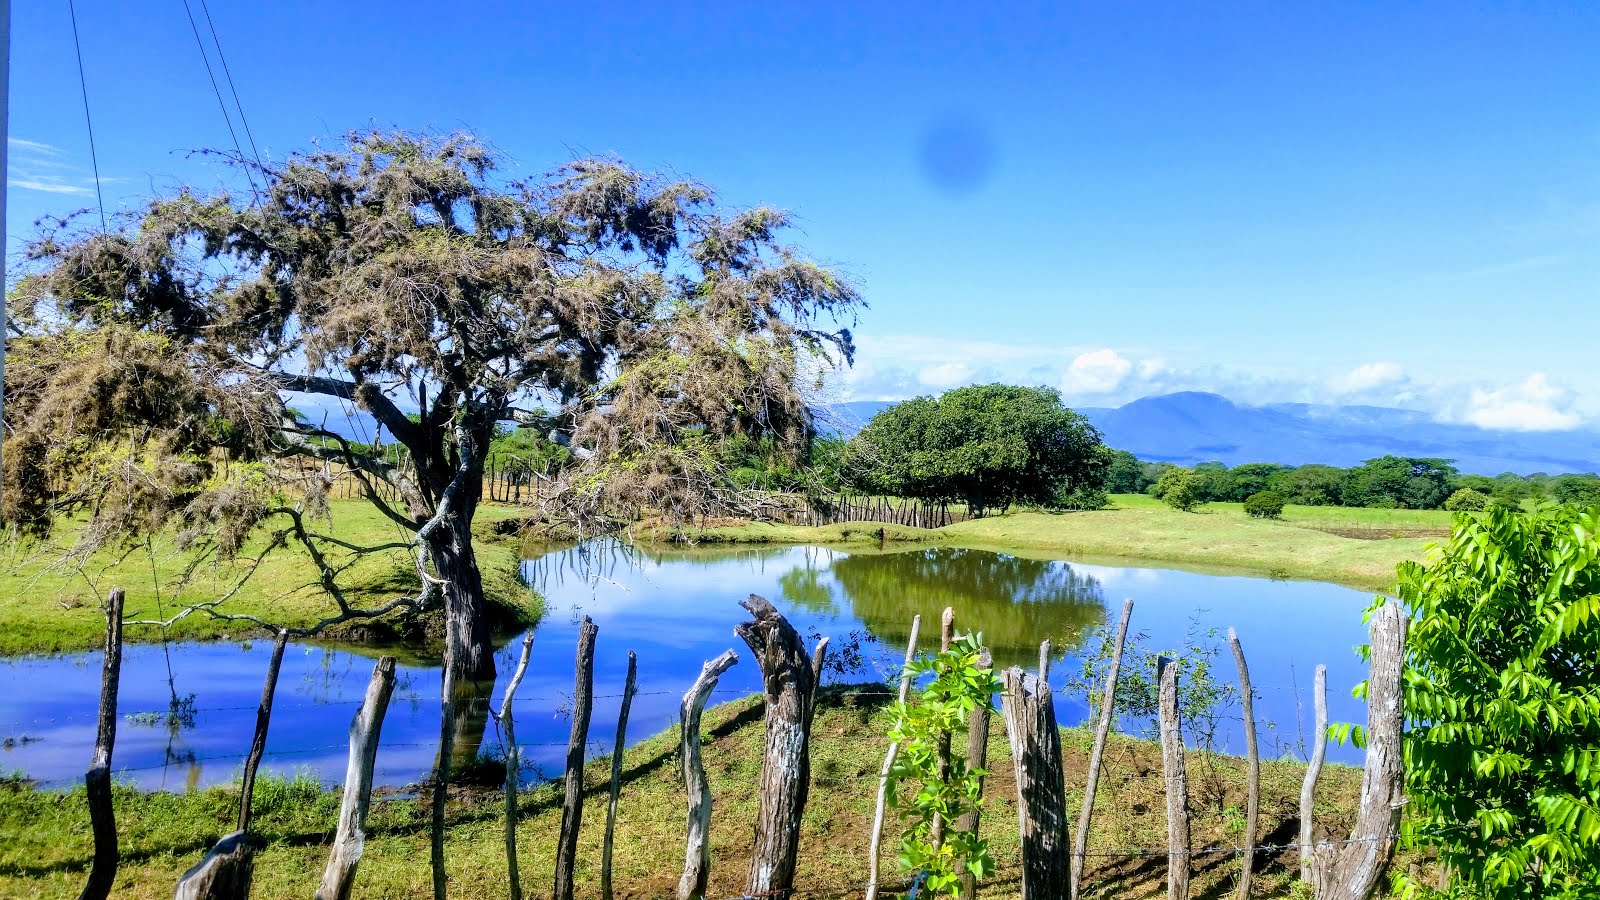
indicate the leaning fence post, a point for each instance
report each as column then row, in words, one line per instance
column 790, row 686
column 1253, row 801
column 1108, row 698
column 441, row 778
column 697, row 847
column 977, row 759
column 572, row 803
column 1308, row 788
column 616, row 774
column 1041, row 794
column 340, row 875
column 875, row 844
column 102, row 817
column 1177, row 782
column 1351, row 869
column 513, row 767
column 258, row 745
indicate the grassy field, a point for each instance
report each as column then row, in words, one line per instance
column 45, row 841
column 1355, row 547
column 48, row 606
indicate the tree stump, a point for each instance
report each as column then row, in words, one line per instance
column 1030, row 717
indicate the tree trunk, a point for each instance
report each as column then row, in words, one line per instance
column 572, row 804
column 1177, row 783
column 977, row 759
column 1308, row 788
column 1253, row 801
column 1108, row 702
column 468, row 648
column 617, row 748
column 1351, row 869
column 876, row 842
column 790, row 686
column 697, row 847
column 340, row 875
column 102, row 818
column 1030, row 716
column 224, row 874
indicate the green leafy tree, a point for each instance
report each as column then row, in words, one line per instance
column 1251, row 478
column 1126, row 474
column 989, row 446
column 1398, row 482
column 956, row 685
column 1311, row 485
column 1578, row 490
column 1181, row 488
column 1467, row 500
column 1502, row 745
column 1264, row 505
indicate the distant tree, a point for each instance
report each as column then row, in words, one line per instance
column 1310, row 485
column 1251, row 478
column 988, row 446
column 1264, row 505
column 1181, row 488
column 1216, row 483
column 1577, row 490
column 1126, row 474
column 1400, row 482
column 1467, row 500
column 1152, row 475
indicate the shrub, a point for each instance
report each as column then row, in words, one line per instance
column 1467, row 500
column 1502, row 744
column 1264, row 505
column 1083, row 498
column 1181, row 488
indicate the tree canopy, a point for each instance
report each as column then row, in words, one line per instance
column 154, row 364
column 988, row 446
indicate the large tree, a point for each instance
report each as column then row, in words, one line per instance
column 155, row 364
column 988, row 446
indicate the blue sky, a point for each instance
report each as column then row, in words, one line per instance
column 1359, row 202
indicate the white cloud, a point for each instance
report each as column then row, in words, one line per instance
column 1369, row 377
column 26, row 146
column 49, row 187
column 37, row 166
column 1533, row 405
column 945, row 375
column 1096, row 372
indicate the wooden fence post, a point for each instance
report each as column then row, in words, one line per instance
column 258, row 745
column 977, row 758
column 1030, row 719
column 1253, row 761
column 697, row 849
column 1177, row 782
column 102, row 817
column 947, row 634
column 617, row 749
column 340, row 875
column 441, row 778
column 572, row 804
column 1308, row 788
column 790, row 686
column 1108, row 699
column 875, row 844
column 513, row 766
column 1351, row 869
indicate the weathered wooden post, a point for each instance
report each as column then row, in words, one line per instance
column 513, row 767
column 441, row 777
column 1308, row 788
column 977, row 758
column 572, row 804
column 790, row 685
column 97, row 782
column 1177, row 782
column 616, row 774
column 1108, row 701
column 1030, row 717
column 947, row 634
column 340, row 875
column 225, row 872
column 697, row 848
column 875, row 843
column 1253, row 760
column 1351, row 870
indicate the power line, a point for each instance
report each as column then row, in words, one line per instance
column 228, row 75
column 200, row 44
column 83, row 88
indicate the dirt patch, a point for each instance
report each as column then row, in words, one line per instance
column 1380, row 534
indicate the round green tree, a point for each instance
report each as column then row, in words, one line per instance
column 1264, row 505
column 989, row 446
column 1467, row 500
column 1182, row 489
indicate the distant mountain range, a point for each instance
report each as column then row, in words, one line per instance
column 1194, row 427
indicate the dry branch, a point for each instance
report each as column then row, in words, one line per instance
column 875, row 843
column 340, row 875
column 1108, row 697
column 697, row 848
column 1253, row 802
column 617, row 749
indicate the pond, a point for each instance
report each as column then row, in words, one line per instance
column 676, row 609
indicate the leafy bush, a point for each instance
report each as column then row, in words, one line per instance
column 1502, row 746
column 1264, row 505
column 1082, row 498
column 1181, row 488
column 1467, row 500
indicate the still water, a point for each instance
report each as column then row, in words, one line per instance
column 675, row 610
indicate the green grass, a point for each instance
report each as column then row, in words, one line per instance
column 45, row 841
column 1354, row 547
column 47, row 606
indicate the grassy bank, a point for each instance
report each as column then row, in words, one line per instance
column 1355, row 547
column 47, row 606
column 45, row 842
